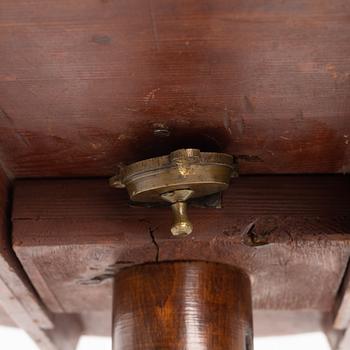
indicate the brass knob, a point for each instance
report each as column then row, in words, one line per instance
column 181, row 225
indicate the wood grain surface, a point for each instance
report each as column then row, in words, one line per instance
column 290, row 233
column 14, row 284
column 19, row 299
column 87, row 84
column 182, row 305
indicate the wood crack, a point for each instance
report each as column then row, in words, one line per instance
column 154, row 241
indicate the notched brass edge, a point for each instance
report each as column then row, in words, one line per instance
column 116, row 182
column 190, row 156
column 152, row 166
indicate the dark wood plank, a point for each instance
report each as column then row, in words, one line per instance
column 86, row 84
column 19, row 299
column 75, row 234
column 248, row 195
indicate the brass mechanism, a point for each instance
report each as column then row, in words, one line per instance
column 182, row 175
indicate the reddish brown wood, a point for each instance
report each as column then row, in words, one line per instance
column 21, row 300
column 76, row 233
column 18, row 297
column 48, row 199
column 86, row 84
column 182, row 305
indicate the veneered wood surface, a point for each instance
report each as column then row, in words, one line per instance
column 182, row 305
column 290, row 233
column 86, row 84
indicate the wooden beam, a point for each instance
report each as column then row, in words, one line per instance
column 73, row 235
column 266, row 81
column 17, row 295
column 12, row 277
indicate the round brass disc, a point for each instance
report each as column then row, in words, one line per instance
column 204, row 173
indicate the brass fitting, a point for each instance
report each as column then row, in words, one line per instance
column 182, row 175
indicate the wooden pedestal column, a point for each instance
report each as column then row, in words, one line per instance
column 182, row 306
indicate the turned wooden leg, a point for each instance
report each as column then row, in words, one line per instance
column 182, row 306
